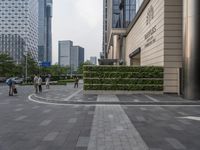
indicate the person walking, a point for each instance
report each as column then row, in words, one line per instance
column 10, row 84
column 76, row 82
column 40, row 84
column 47, row 80
column 35, row 82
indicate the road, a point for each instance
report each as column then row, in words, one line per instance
column 30, row 125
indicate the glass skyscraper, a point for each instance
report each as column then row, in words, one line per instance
column 45, row 31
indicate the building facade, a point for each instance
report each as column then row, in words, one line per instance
column 164, row 33
column 77, row 57
column 93, row 60
column 64, row 52
column 45, row 31
column 69, row 55
column 19, row 28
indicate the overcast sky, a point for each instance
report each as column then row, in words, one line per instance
column 79, row 21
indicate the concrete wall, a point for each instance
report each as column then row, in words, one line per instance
column 158, row 32
column 173, row 50
column 152, row 54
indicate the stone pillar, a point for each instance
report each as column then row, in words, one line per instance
column 116, row 46
column 191, row 46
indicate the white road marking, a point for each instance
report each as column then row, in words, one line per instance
column 191, row 118
column 68, row 98
column 151, row 98
column 142, row 105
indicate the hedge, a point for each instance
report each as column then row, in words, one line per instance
column 123, row 78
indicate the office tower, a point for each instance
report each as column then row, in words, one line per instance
column 77, row 57
column 45, row 31
column 64, row 48
column 69, row 55
column 19, row 28
column 93, row 60
column 105, row 27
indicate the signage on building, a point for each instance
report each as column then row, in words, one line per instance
column 149, row 36
column 150, row 15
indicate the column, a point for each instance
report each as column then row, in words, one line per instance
column 191, row 46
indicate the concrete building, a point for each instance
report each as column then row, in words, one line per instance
column 45, row 31
column 19, row 28
column 93, row 60
column 70, row 55
column 163, row 33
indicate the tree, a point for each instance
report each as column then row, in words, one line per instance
column 32, row 65
column 80, row 68
column 7, row 65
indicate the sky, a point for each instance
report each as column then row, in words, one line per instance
column 79, row 21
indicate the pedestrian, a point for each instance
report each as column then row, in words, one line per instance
column 47, row 80
column 40, row 84
column 76, row 82
column 10, row 82
column 35, row 82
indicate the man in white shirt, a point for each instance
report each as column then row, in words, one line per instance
column 35, row 83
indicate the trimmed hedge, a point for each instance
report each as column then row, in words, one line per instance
column 123, row 78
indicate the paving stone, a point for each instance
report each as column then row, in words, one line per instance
column 110, row 125
column 83, row 142
column 72, row 120
column 175, row 143
column 175, row 127
column 51, row 136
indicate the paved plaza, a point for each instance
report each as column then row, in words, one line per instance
column 63, row 118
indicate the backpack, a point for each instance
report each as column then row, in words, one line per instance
column 9, row 82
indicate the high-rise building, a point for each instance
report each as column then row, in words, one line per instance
column 93, row 60
column 105, row 28
column 45, row 31
column 69, row 55
column 77, row 57
column 64, row 52
column 19, row 28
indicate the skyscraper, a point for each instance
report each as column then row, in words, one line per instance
column 19, row 28
column 77, row 57
column 93, row 60
column 64, row 52
column 70, row 55
column 45, row 31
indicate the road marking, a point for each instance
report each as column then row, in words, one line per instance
column 45, row 122
column 132, row 105
column 20, row 118
column 68, row 98
column 151, row 98
column 191, row 118
column 35, row 107
column 19, row 109
column 6, row 103
column 47, row 111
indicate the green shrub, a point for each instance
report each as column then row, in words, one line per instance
column 123, row 78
